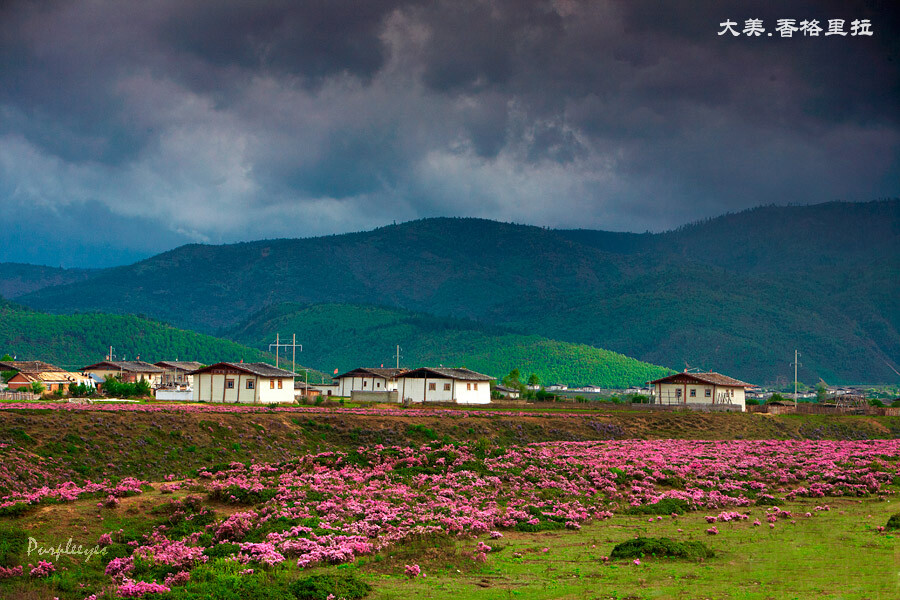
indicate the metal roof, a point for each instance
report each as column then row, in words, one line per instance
column 261, row 369
column 710, row 378
column 461, row 373
column 29, row 366
column 384, row 373
column 131, row 366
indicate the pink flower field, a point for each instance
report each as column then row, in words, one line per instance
column 333, row 507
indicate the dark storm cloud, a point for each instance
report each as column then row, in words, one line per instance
column 219, row 121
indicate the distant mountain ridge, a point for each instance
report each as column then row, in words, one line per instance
column 736, row 293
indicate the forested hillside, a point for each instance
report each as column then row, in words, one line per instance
column 342, row 336
column 74, row 341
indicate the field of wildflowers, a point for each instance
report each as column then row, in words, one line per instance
column 273, row 521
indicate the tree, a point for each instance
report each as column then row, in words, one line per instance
column 142, row 388
column 37, row 387
column 533, row 379
column 512, row 380
column 821, row 392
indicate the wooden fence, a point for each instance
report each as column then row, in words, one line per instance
column 811, row 408
column 10, row 395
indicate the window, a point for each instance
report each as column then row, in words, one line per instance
column 693, row 393
column 229, row 384
column 707, row 392
column 468, row 386
column 279, row 384
column 271, row 384
column 678, row 393
column 432, row 386
column 365, row 383
column 446, row 387
column 377, row 384
column 250, row 384
column 475, row 386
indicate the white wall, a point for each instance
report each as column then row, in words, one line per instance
column 175, row 395
column 368, row 383
column 210, row 387
column 445, row 390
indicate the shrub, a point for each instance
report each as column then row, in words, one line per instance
column 893, row 522
column 12, row 543
column 660, row 547
column 542, row 526
column 222, row 550
column 320, row 587
column 15, row 510
column 665, row 506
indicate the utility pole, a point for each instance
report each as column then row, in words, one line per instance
column 398, row 356
column 796, row 365
column 293, row 345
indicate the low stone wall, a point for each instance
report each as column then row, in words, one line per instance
column 175, row 395
column 387, row 396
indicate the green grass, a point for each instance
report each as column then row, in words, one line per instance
column 818, row 557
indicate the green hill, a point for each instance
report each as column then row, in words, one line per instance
column 342, row 336
column 735, row 294
column 74, row 341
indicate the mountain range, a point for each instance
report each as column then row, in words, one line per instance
column 735, row 294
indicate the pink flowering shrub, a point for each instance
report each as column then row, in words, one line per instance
column 7, row 572
column 137, row 589
column 43, row 569
column 412, row 571
column 180, row 578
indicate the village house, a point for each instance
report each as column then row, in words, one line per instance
column 177, row 373
column 506, row 392
column 365, row 379
column 461, row 386
column 305, row 390
column 325, row 389
column 699, row 388
column 251, row 383
column 128, row 371
column 50, row 376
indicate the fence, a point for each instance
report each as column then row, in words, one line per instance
column 10, row 395
column 811, row 408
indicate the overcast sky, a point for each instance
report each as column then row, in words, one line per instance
column 128, row 128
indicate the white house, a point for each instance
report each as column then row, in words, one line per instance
column 461, row 386
column 367, row 379
column 252, row 383
column 130, row 371
column 506, row 392
column 700, row 388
